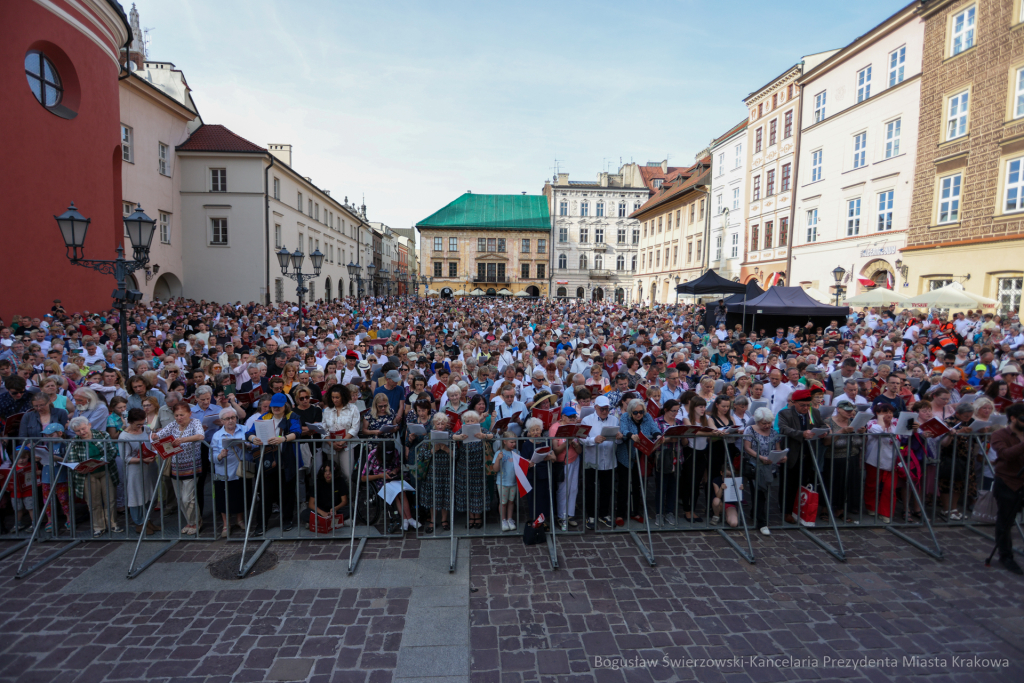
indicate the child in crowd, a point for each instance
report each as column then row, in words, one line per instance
column 504, row 467
column 731, row 514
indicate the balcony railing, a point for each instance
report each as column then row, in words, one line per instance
column 603, row 273
column 503, row 279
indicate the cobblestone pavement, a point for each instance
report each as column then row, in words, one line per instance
column 505, row 617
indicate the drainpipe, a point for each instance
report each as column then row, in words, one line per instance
column 792, row 185
column 266, row 210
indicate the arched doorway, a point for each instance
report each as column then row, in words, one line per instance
column 491, row 291
column 878, row 271
column 639, row 293
column 351, row 288
column 446, row 293
column 533, row 290
column 580, row 293
column 598, row 294
column 560, row 292
column 167, row 287
column 327, row 290
column 620, row 295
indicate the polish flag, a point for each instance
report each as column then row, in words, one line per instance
column 890, row 281
column 866, row 282
column 521, row 465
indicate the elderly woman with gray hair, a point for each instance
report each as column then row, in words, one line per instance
column 226, row 450
column 635, row 421
column 89, row 405
column 759, row 440
column 94, row 444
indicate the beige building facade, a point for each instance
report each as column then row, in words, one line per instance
column 967, row 217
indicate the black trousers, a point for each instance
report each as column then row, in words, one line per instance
column 1007, row 504
column 690, row 479
column 285, row 499
column 842, row 477
column 204, row 450
column 791, row 480
column 597, row 483
column 627, row 480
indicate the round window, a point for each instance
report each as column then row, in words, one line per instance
column 43, row 80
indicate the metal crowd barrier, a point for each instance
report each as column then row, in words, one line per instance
column 451, row 480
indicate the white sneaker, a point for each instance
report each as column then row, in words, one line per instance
column 405, row 525
column 504, row 525
column 670, row 519
column 766, row 531
column 413, row 524
column 715, row 520
column 657, row 520
column 511, row 525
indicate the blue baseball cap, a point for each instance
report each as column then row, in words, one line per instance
column 568, row 410
column 278, row 401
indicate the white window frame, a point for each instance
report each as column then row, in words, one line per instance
column 127, row 144
column 438, row 244
column 721, row 164
column 277, row 189
column 163, row 164
column 739, row 156
column 453, row 244
column 165, row 227
column 563, row 208
column 950, row 192
column 852, row 217
column 812, row 225
column 584, row 235
column 599, row 213
column 864, row 83
column 277, row 235
column 735, row 198
column 962, row 31
column 584, row 208
column 816, row 159
column 213, row 232
column 734, row 248
column 957, row 113
column 218, row 180
column 563, row 235
column 1015, row 185
column 1018, row 96
column 892, row 138
column 718, row 248
column 620, row 236
column 819, row 106
column 1011, row 287
column 897, row 63
column 860, row 144
column 598, row 235
column 885, row 200
column 563, row 262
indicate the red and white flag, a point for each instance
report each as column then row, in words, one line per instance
column 521, row 465
column 890, row 281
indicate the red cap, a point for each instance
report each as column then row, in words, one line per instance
column 801, row 395
column 352, row 354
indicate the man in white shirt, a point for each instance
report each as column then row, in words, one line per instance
column 351, row 373
column 777, row 392
column 599, row 453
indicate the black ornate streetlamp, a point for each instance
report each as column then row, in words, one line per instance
column 355, row 272
column 295, row 259
column 140, row 228
column 838, row 274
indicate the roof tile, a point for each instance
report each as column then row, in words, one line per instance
column 212, row 137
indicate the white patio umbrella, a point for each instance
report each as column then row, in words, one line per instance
column 943, row 297
column 432, row 292
column 504, row 292
column 818, row 295
column 459, row 292
column 522, row 292
column 477, row 292
column 880, row 296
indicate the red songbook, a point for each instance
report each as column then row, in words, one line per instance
column 582, row 431
column 340, row 434
column 454, row 420
column 501, row 425
column 645, row 445
column 682, row 430
column 566, row 431
column 653, row 408
column 873, row 394
column 88, row 466
column 1016, row 391
column 934, row 427
column 548, row 416
column 12, row 424
column 961, row 385
column 20, row 485
column 320, row 385
column 438, row 390
column 163, row 447
column 642, row 390
column 250, row 396
column 1002, row 403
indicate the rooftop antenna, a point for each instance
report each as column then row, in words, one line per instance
column 555, row 168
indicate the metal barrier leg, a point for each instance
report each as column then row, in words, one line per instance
column 937, row 552
column 839, row 554
column 748, row 554
column 243, row 566
column 132, row 571
column 647, row 550
column 451, row 508
column 32, row 536
column 353, row 551
column 971, row 527
column 552, row 541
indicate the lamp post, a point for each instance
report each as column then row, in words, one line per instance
column 355, row 271
column 284, row 259
column 371, row 271
column 140, row 227
column 838, row 274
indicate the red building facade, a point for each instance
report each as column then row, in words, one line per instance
column 59, row 67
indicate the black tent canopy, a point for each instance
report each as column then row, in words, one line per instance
column 710, row 283
column 752, row 291
column 792, row 301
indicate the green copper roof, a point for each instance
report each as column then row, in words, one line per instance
column 493, row 211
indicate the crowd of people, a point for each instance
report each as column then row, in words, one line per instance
column 464, row 399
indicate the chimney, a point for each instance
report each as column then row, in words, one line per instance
column 664, row 166
column 283, row 153
column 137, row 48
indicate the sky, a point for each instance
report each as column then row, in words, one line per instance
column 411, row 104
